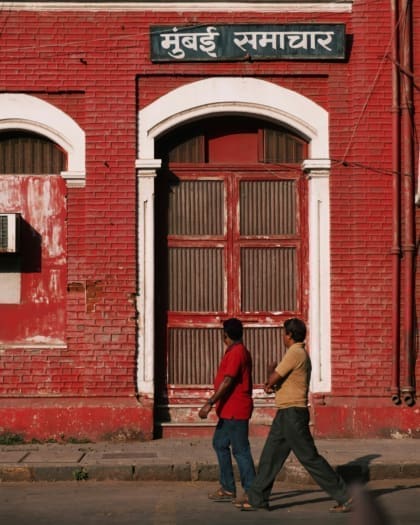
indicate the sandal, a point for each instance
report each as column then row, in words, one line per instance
column 343, row 507
column 239, row 500
column 222, row 495
column 246, row 506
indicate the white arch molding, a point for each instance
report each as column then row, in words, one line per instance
column 256, row 98
column 29, row 113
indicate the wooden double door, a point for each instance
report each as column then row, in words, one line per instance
column 230, row 242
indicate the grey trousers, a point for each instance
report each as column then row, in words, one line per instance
column 290, row 432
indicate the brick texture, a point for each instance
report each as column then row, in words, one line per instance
column 95, row 66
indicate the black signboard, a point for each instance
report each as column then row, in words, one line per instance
column 242, row 42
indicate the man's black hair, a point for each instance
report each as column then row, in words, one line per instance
column 233, row 328
column 296, row 328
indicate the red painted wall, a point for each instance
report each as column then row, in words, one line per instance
column 95, row 66
column 41, row 315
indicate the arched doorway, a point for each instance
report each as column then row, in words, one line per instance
column 258, row 99
column 230, row 242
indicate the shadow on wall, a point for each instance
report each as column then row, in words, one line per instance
column 30, row 252
column 28, row 258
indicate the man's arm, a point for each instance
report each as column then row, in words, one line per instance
column 286, row 365
column 221, row 391
column 273, row 379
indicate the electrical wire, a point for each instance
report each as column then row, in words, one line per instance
column 372, row 89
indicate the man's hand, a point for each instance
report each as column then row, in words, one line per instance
column 268, row 389
column 221, row 391
column 273, row 382
column 204, row 411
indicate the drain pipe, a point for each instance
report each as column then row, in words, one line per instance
column 408, row 245
column 396, row 210
column 418, row 184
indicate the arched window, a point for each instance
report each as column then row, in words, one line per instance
column 25, row 153
column 252, row 141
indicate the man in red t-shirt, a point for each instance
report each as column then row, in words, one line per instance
column 233, row 400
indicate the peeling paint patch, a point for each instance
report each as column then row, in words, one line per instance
column 42, row 340
column 46, row 203
column 55, row 247
column 10, row 194
column 55, row 289
column 395, row 434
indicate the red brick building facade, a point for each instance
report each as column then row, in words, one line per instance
column 155, row 181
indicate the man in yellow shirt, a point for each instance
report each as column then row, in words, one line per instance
column 290, row 428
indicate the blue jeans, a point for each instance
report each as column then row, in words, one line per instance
column 233, row 434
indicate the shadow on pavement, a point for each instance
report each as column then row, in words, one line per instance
column 357, row 470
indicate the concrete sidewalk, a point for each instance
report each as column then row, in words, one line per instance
column 194, row 460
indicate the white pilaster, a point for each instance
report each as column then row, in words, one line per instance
column 318, row 172
column 146, row 174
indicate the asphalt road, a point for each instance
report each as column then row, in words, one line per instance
column 170, row 503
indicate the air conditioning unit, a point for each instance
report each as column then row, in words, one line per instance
column 9, row 232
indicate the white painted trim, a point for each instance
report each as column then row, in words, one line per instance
column 230, row 95
column 344, row 6
column 257, row 98
column 319, row 274
column 74, row 179
column 316, row 164
column 146, row 275
column 25, row 112
column 148, row 164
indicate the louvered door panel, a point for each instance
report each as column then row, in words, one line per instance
column 268, row 279
column 196, row 207
column 196, row 279
column 267, row 207
column 266, row 346
column 194, row 355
